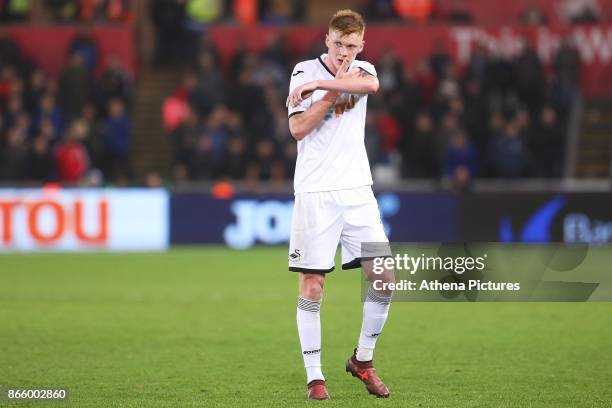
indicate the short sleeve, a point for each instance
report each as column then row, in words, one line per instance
column 369, row 68
column 299, row 76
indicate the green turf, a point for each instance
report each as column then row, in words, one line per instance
column 214, row 327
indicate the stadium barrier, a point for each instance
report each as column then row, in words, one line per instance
column 139, row 219
column 244, row 221
column 247, row 220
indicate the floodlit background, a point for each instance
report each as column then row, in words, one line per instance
column 151, row 137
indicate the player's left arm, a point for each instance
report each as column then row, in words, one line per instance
column 356, row 81
column 362, row 82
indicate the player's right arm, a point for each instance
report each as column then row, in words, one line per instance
column 304, row 115
column 302, row 123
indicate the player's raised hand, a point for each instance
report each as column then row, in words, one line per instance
column 342, row 71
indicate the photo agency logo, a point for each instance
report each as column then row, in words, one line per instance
column 487, row 272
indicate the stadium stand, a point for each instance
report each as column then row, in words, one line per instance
column 460, row 99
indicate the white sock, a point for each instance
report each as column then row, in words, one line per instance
column 375, row 311
column 309, row 329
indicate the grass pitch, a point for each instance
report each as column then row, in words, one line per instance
column 214, row 327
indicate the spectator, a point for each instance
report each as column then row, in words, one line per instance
column 13, row 110
column 63, row 10
column 439, row 59
column 380, row 10
column 427, row 82
column 176, row 107
column 71, row 156
column 533, row 16
column 216, row 126
column 48, row 110
column 212, row 145
column 237, row 62
column 445, row 131
column 35, row 89
column 530, row 79
column 153, row 180
column 500, row 85
column 460, row 153
column 8, row 80
column 41, row 165
column 15, row 154
column 248, row 98
column 204, row 157
column 203, row 12
column 420, row 153
column 476, row 109
column 548, row 145
column 14, row 10
column 403, row 101
column 117, row 128
column 461, row 179
column 198, row 14
column 389, row 72
column 85, row 45
column 390, row 132
column 184, row 141
column 567, row 70
column 210, row 80
column 107, row 10
column 236, row 159
column 448, row 86
column 75, row 86
column 460, row 13
column 476, row 69
column 290, row 156
column 114, row 83
column 276, row 51
column 265, row 164
column 94, row 138
column 92, row 10
column 10, row 52
column 508, row 153
column 372, row 139
column 206, row 44
column 168, row 17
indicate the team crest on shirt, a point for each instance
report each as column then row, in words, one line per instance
column 295, row 256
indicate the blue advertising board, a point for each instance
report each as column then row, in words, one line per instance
column 246, row 220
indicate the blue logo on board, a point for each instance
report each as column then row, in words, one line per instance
column 537, row 227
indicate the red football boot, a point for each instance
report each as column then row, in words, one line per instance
column 317, row 390
column 365, row 371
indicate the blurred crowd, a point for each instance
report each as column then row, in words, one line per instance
column 67, row 11
column 462, row 11
column 502, row 117
column 68, row 128
column 181, row 23
column 499, row 117
column 233, row 123
column 190, row 15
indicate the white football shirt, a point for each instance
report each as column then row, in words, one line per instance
column 332, row 156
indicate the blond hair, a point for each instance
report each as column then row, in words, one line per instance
column 347, row 22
